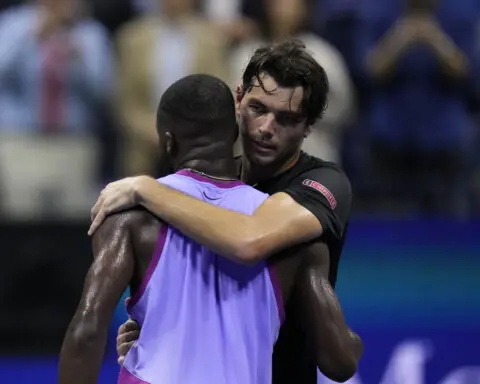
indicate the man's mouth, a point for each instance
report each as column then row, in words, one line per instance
column 263, row 147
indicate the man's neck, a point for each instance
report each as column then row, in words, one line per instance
column 253, row 174
column 220, row 168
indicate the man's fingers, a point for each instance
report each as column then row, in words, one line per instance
column 122, row 328
column 96, row 208
column 96, row 222
column 123, row 349
column 128, row 333
column 100, row 202
column 128, row 337
column 130, row 325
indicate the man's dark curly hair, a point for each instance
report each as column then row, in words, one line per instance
column 198, row 105
column 291, row 65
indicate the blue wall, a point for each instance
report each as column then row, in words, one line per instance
column 412, row 291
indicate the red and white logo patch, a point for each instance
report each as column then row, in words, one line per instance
column 323, row 190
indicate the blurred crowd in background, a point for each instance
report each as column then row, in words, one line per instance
column 80, row 82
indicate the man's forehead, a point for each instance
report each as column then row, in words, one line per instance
column 280, row 98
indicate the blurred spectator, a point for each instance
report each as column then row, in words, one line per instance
column 55, row 82
column 227, row 15
column 155, row 51
column 418, row 56
column 8, row 3
column 55, row 68
column 286, row 18
column 113, row 13
column 336, row 21
column 222, row 11
column 229, row 18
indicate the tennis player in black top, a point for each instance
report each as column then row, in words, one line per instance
column 283, row 92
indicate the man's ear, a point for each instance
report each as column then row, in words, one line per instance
column 308, row 131
column 239, row 94
column 170, row 144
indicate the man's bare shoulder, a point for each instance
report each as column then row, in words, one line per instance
column 133, row 220
column 139, row 216
column 138, row 225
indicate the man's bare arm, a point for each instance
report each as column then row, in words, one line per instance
column 315, row 202
column 280, row 222
column 107, row 279
column 337, row 349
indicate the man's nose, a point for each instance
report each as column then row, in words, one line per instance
column 267, row 127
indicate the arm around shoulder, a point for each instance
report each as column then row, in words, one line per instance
column 315, row 203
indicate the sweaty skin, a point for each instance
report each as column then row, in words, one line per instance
column 271, row 137
column 123, row 246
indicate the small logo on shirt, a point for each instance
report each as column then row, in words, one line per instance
column 208, row 197
column 323, row 190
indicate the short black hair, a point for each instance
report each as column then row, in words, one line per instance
column 198, row 105
column 291, row 65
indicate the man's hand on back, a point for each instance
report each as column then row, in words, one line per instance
column 115, row 197
column 128, row 333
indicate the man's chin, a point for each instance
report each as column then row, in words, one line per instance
column 261, row 159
